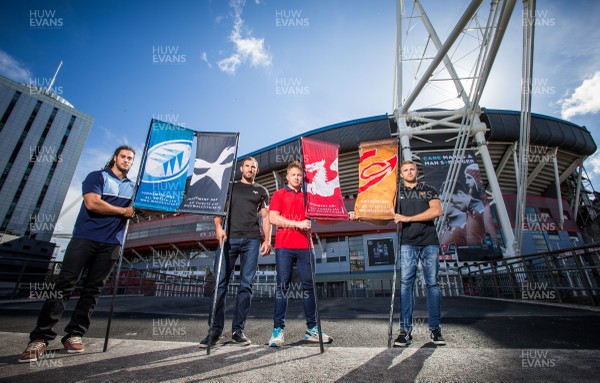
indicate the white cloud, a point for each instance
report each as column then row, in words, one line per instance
column 204, row 57
column 593, row 163
column 12, row 69
column 247, row 48
column 585, row 99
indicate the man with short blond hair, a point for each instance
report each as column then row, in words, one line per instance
column 419, row 205
column 292, row 247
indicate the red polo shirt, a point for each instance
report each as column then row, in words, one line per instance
column 290, row 205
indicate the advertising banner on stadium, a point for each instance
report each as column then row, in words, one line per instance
column 377, row 181
column 213, row 172
column 469, row 232
column 165, row 164
column 323, row 193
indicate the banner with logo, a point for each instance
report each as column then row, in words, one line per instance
column 164, row 167
column 377, row 181
column 468, row 232
column 323, row 193
column 213, row 172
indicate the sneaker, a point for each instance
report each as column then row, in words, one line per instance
column 213, row 343
column 35, row 349
column 240, row 338
column 437, row 337
column 312, row 335
column 74, row 344
column 404, row 339
column 277, row 339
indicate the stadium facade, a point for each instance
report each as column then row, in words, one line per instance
column 351, row 257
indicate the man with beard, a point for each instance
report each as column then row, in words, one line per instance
column 242, row 239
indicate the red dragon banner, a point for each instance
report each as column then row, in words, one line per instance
column 323, row 194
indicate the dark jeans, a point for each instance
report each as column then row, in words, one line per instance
column 285, row 259
column 247, row 249
column 99, row 258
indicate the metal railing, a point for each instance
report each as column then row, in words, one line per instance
column 568, row 275
column 21, row 277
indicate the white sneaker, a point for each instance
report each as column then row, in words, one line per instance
column 277, row 339
column 312, row 335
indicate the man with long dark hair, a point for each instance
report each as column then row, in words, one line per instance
column 95, row 246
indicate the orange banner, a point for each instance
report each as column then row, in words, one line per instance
column 377, row 181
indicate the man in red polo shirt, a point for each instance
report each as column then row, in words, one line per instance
column 291, row 247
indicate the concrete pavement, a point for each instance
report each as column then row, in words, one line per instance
column 155, row 340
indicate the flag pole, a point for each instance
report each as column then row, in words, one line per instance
column 217, row 274
column 122, row 250
column 396, row 256
column 391, row 322
column 311, row 257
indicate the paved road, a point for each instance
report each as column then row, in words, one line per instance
column 155, row 339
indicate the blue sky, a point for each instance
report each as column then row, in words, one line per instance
column 232, row 66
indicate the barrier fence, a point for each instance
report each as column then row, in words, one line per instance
column 569, row 275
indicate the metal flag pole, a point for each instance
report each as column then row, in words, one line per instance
column 122, row 250
column 396, row 256
column 115, row 287
column 312, row 259
column 217, row 274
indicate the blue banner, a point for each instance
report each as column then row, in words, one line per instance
column 164, row 167
column 213, row 172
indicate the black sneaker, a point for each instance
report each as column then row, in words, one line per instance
column 437, row 337
column 214, row 342
column 240, row 338
column 404, row 339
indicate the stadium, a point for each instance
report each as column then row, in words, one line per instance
column 356, row 259
column 519, row 173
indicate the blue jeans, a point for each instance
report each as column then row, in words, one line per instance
column 285, row 259
column 409, row 259
column 248, row 249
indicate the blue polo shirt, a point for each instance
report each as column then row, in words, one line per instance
column 117, row 192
